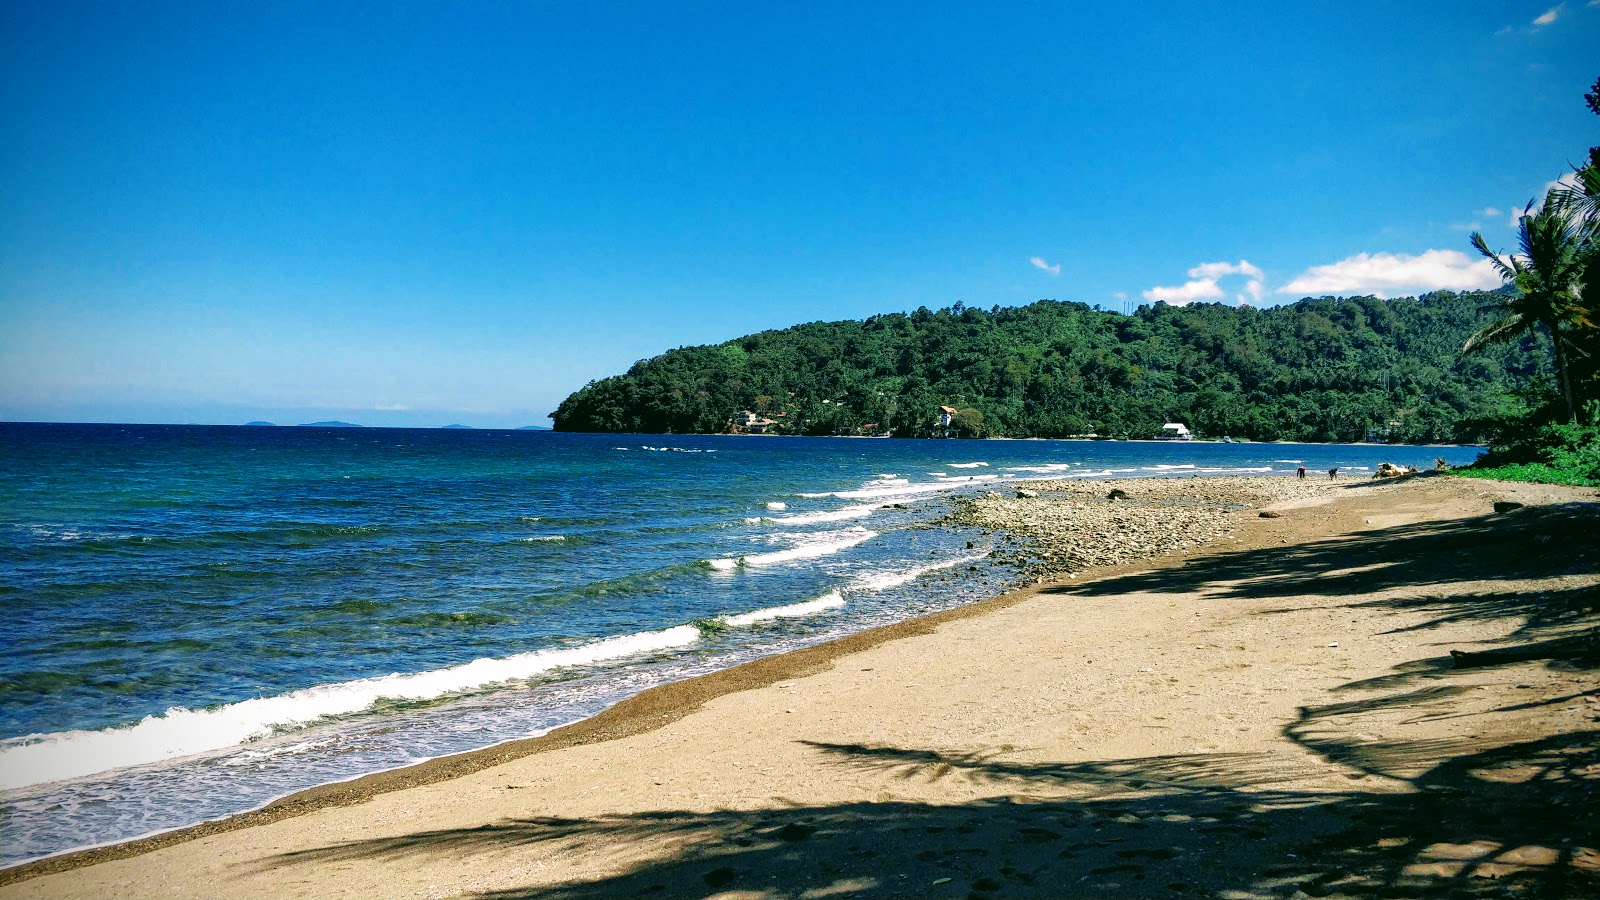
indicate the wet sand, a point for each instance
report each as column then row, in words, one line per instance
column 1276, row 711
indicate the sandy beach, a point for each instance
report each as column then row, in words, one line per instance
column 1377, row 689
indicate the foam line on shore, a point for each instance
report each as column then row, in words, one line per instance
column 844, row 514
column 37, row 759
column 830, row 600
column 810, row 550
column 882, row 581
column 906, row 490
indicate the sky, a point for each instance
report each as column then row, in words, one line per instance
column 419, row 214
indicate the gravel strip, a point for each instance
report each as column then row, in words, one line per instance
column 1071, row 525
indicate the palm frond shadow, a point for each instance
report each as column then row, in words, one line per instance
column 1158, row 826
column 1337, row 813
column 1423, row 563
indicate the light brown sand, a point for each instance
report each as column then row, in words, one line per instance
column 1274, row 715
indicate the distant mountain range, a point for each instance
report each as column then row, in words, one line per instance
column 334, row 423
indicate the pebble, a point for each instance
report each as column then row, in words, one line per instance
column 1075, row 527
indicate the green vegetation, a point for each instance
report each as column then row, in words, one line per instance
column 1317, row 370
column 1559, row 267
column 1515, row 366
column 1552, row 454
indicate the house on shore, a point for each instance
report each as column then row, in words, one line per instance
column 746, row 422
column 1175, row 431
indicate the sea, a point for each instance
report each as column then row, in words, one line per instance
column 202, row 619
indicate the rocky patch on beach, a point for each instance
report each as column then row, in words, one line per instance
column 1057, row 528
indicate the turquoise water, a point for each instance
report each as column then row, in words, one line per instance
column 201, row 619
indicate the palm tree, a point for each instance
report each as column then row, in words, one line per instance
column 1548, row 276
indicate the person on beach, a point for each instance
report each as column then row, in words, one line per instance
column 1333, row 473
column 1302, row 473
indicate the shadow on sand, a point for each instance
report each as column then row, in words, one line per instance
column 1435, row 818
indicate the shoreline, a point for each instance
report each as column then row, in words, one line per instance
column 665, row 703
column 661, row 706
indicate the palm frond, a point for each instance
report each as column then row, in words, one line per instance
column 1497, row 331
column 1506, row 272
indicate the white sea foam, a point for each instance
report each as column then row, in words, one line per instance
column 970, row 465
column 938, row 474
column 548, row 538
column 859, row 511
column 37, row 759
column 672, row 449
column 881, row 581
column 1048, row 468
column 812, row 547
column 777, row 504
column 1167, row 468
column 830, row 600
column 888, row 475
column 905, row 490
column 1295, row 461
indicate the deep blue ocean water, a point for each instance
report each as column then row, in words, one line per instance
column 200, row 619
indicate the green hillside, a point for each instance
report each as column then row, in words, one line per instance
column 1317, row 370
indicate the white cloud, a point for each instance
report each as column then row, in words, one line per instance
column 1123, row 295
column 1252, row 292
column 1387, row 274
column 1550, row 15
column 1216, row 270
column 1569, row 180
column 1202, row 283
column 1039, row 263
column 1492, row 211
column 1188, row 292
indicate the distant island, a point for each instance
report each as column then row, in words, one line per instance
column 459, row 427
column 534, row 428
column 260, row 423
column 332, row 423
column 1321, row 369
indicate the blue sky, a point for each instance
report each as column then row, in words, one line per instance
column 417, row 214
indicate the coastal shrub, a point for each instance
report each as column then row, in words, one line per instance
column 1552, row 454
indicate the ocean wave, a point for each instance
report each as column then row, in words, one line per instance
column 970, row 465
column 859, row 511
column 1162, row 467
column 777, row 504
column 904, row 490
column 545, row 538
column 41, row 758
column 1046, row 469
column 1236, row 470
column 830, row 600
column 882, row 581
column 826, row 544
column 673, row 449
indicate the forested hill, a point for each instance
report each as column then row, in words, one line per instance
column 1317, row 370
